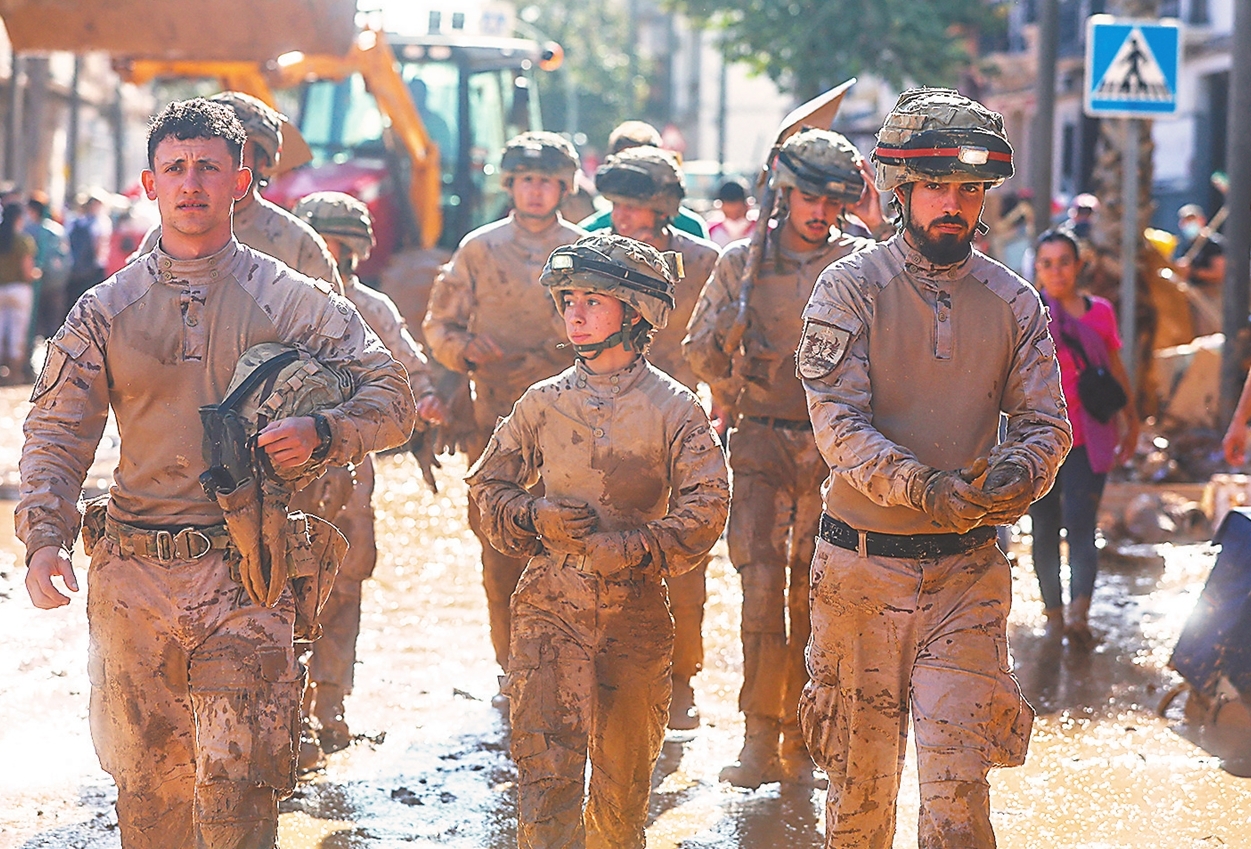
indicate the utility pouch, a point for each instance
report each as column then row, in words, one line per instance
column 94, row 512
column 315, row 548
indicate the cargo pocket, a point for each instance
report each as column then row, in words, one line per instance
column 531, row 689
column 822, row 717
column 59, row 365
column 1012, row 721
column 278, row 719
column 101, row 713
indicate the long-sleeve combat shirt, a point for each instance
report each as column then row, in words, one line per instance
column 762, row 373
column 157, row 341
column 491, row 287
column 699, row 256
column 907, row 366
column 634, row 444
column 266, row 227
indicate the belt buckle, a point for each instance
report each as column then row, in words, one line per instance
column 862, row 544
column 164, row 546
column 189, row 534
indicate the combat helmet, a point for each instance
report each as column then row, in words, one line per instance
column 262, row 123
column 647, row 176
column 273, row 381
column 938, row 134
column 540, row 152
column 634, row 273
column 339, row 216
column 820, row 162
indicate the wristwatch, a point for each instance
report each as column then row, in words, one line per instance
column 324, row 436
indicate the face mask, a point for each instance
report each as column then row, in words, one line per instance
column 1191, row 229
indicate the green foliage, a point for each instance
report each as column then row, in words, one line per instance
column 808, row 46
column 595, row 38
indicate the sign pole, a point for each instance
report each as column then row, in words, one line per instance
column 1129, row 247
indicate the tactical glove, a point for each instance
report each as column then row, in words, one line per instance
column 951, row 500
column 1012, row 488
column 613, row 551
column 562, row 522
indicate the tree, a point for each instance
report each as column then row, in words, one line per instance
column 808, row 46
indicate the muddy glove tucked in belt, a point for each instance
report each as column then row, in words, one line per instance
column 1012, row 488
column 562, row 523
column 950, row 499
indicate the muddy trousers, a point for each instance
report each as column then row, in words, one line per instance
column 195, row 701
column 893, row 637
column 588, row 682
column 775, row 511
column 687, row 594
column 333, row 658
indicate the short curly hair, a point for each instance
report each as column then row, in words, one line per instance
column 197, row 119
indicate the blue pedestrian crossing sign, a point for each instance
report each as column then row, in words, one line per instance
column 1131, row 67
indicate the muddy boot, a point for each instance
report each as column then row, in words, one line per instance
column 683, row 715
column 1053, row 629
column 1076, row 627
column 758, row 762
column 333, row 734
column 798, row 770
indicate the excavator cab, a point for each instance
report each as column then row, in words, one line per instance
column 472, row 94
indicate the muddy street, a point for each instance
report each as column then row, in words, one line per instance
column 430, row 766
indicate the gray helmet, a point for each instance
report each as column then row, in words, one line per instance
column 647, row 176
column 262, row 123
column 938, row 134
column 540, row 153
column 820, row 162
column 634, row 273
column 339, row 216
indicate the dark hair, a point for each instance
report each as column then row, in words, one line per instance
column 8, row 225
column 1059, row 234
column 732, row 190
column 197, row 119
column 38, row 207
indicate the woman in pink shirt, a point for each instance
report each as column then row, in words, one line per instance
column 1084, row 329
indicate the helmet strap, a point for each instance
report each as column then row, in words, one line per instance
column 623, row 337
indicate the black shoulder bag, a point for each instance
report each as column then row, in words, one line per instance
column 1100, row 392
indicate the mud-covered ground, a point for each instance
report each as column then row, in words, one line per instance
column 431, row 766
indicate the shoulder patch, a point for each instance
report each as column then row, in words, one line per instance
column 821, row 349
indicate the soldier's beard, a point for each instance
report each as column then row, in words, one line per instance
column 941, row 248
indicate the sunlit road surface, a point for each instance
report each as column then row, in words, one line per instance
column 431, row 768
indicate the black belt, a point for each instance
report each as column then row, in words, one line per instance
column 909, row 546
column 784, row 424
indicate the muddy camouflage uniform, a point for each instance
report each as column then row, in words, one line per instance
column 777, row 477
column 589, row 674
column 907, row 366
column 332, row 662
column 195, row 691
column 491, row 286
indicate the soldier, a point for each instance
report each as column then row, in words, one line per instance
column 634, row 134
column 347, row 228
column 911, row 351
column 485, row 320
column 636, row 491
column 645, row 185
column 195, row 688
column 777, row 470
column 260, row 224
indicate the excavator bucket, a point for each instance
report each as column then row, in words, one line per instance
column 217, row 30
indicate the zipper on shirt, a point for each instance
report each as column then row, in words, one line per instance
column 942, row 325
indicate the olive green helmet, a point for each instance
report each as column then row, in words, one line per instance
column 262, row 123
column 647, row 176
column 339, row 216
column 820, row 162
column 634, row 273
column 939, row 134
column 540, row 152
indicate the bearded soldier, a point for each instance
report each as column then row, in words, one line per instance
column 347, row 228
column 777, row 470
column 635, row 491
column 258, row 223
column 195, row 687
column 486, row 319
column 912, row 350
column 645, row 185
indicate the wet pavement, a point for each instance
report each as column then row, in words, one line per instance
column 430, row 767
